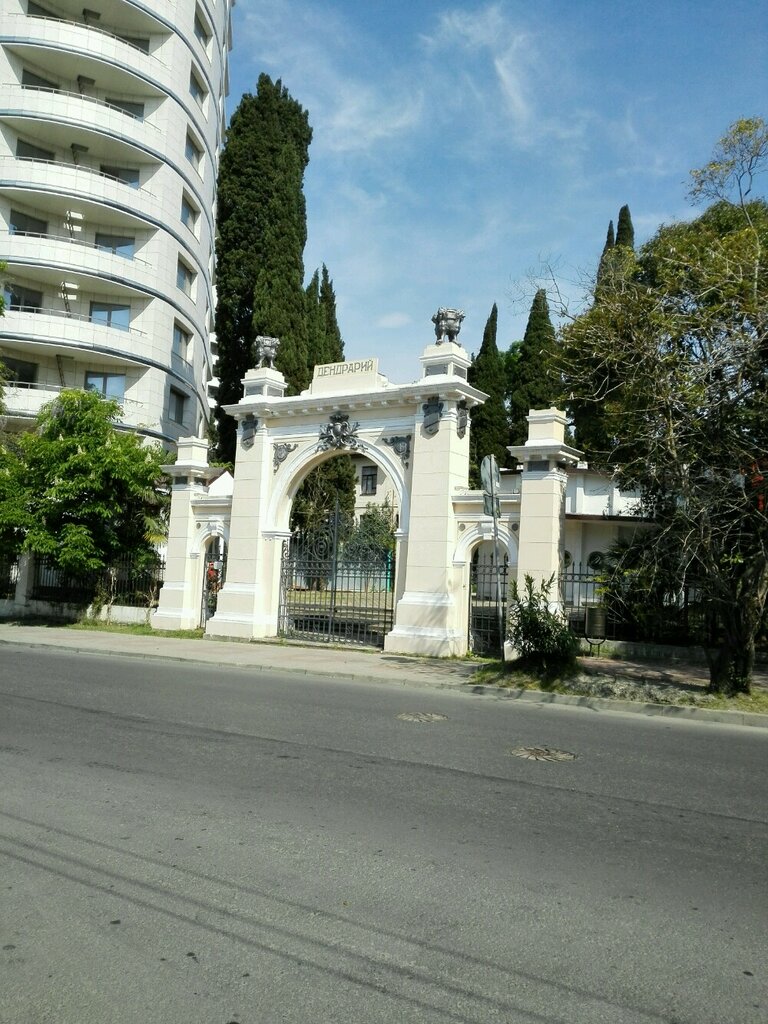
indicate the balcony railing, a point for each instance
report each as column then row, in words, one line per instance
column 82, row 317
column 88, row 99
column 21, row 232
column 89, row 170
column 122, row 37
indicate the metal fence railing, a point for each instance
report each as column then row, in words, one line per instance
column 592, row 603
column 9, row 574
column 129, row 582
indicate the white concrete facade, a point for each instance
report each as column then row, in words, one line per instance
column 418, row 436
column 111, row 121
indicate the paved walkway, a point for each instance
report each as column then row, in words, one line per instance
column 373, row 666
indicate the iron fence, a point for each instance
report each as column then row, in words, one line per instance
column 485, row 585
column 130, row 582
column 9, row 574
column 592, row 602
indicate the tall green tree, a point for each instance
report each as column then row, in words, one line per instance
column 261, row 233
column 536, row 384
column 333, row 351
column 610, row 242
column 675, row 352
column 489, row 434
column 625, row 232
column 79, row 490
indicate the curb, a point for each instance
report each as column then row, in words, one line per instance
column 746, row 719
column 679, row 711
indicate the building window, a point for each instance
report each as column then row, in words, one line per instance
column 38, row 11
column 28, row 151
column 177, row 406
column 30, row 80
column 139, row 42
column 111, row 314
column 23, row 224
column 22, row 300
column 193, row 152
column 120, row 245
column 182, row 341
column 196, row 88
column 189, row 214
column 201, row 32
column 18, row 371
column 129, row 107
column 127, row 175
column 185, row 278
column 108, row 385
column 368, row 480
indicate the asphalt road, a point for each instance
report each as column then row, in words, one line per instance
column 182, row 845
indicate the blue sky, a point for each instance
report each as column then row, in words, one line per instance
column 461, row 147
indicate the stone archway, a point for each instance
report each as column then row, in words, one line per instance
column 418, row 433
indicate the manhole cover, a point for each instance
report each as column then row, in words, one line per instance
column 425, row 717
column 542, row 754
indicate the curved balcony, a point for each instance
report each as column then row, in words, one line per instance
column 78, row 181
column 24, row 401
column 62, row 41
column 51, row 330
column 79, row 110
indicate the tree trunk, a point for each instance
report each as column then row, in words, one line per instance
column 730, row 669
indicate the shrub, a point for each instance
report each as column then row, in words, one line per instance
column 540, row 636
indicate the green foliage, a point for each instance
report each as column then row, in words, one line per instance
column 261, row 233
column 317, row 495
column 80, row 491
column 373, row 540
column 674, row 353
column 489, row 434
column 325, row 344
column 540, row 636
column 535, row 384
column 625, row 232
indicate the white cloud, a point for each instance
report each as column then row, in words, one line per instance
column 393, row 321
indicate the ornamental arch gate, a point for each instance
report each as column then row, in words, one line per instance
column 417, row 433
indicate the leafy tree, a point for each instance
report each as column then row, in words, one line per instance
column 536, row 384
column 317, row 495
column 78, row 490
column 261, row 233
column 489, row 434
column 372, row 543
column 625, row 232
column 675, row 350
column 542, row 639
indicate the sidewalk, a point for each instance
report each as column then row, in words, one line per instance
column 376, row 666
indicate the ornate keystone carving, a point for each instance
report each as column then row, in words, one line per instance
column 281, row 452
column 401, row 446
column 266, row 350
column 447, row 324
column 339, row 433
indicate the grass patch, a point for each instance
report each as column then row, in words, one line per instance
column 571, row 681
column 135, row 629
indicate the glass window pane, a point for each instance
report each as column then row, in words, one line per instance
column 109, row 385
column 127, row 106
column 128, row 175
column 28, row 151
column 24, row 224
column 121, row 245
column 111, row 314
column 18, row 371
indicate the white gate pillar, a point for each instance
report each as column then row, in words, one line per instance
column 429, row 614
column 179, row 601
column 247, row 606
column 545, row 457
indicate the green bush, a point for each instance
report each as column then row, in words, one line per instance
column 541, row 637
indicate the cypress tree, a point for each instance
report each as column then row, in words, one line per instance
column 536, row 384
column 334, row 345
column 625, row 233
column 489, row 433
column 261, row 233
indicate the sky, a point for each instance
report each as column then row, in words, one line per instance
column 468, row 153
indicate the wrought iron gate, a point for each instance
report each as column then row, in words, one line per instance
column 484, row 634
column 214, row 574
column 336, row 585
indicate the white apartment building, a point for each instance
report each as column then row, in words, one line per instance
column 111, row 120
